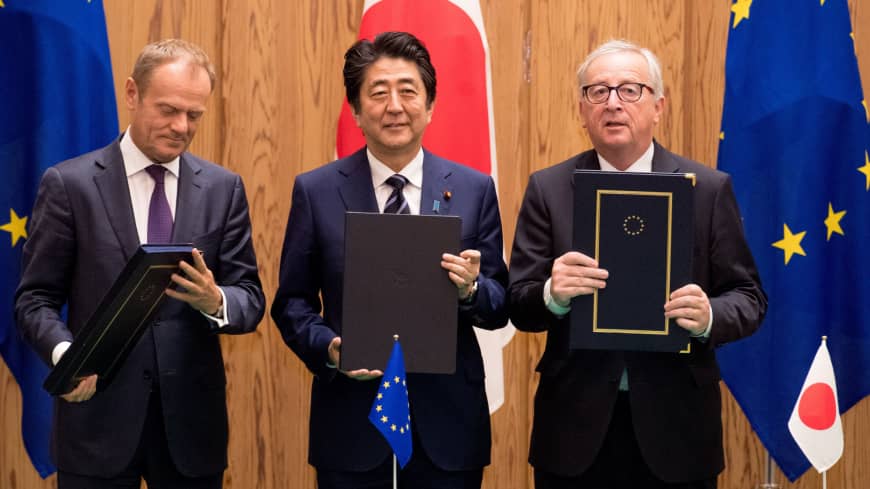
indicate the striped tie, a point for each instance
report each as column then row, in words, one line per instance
column 397, row 204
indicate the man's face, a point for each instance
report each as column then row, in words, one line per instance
column 165, row 117
column 393, row 114
column 620, row 129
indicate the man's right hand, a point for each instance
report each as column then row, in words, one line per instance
column 85, row 390
column 575, row 274
column 334, row 352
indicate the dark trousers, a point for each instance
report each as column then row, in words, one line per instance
column 619, row 464
column 419, row 473
column 151, row 462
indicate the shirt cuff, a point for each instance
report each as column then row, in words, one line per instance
column 706, row 334
column 223, row 313
column 58, row 351
column 550, row 302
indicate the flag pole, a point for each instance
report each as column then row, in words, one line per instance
column 395, row 472
column 825, row 480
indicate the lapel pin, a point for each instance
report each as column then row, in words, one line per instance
column 447, row 195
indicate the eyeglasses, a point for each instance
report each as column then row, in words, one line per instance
column 627, row 92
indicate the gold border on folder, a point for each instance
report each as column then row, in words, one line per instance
column 133, row 291
column 667, row 195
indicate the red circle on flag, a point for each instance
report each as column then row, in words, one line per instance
column 817, row 407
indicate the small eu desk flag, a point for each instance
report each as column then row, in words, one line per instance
column 391, row 413
column 795, row 139
column 58, row 101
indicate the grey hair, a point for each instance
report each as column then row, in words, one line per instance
column 166, row 51
column 618, row 46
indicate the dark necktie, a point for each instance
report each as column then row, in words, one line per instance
column 159, row 214
column 397, row 204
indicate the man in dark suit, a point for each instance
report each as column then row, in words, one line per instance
column 164, row 415
column 390, row 86
column 621, row 419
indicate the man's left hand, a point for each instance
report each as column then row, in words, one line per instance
column 690, row 306
column 463, row 270
column 199, row 288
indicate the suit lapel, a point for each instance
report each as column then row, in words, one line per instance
column 111, row 182
column 190, row 198
column 355, row 183
column 437, row 187
column 663, row 161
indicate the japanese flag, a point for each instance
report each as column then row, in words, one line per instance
column 815, row 420
column 462, row 123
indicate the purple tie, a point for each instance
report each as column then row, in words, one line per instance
column 159, row 214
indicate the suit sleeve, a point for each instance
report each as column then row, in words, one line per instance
column 531, row 263
column 238, row 275
column 297, row 306
column 46, row 268
column 489, row 310
column 736, row 296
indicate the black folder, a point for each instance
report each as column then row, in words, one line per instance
column 394, row 284
column 640, row 228
column 121, row 318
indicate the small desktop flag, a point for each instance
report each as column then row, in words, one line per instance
column 815, row 420
column 391, row 413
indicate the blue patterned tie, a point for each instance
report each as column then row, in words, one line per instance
column 397, row 204
column 159, row 213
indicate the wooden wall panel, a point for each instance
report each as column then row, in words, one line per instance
column 507, row 27
column 273, row 115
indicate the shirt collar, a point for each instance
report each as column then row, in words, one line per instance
column 413, row 171
column 136, row 161
column 642, row 165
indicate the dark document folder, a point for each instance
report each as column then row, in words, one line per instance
column 394, row 284
column 639, row 226
column 117, row 324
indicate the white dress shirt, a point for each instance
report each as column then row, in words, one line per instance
column 413, row 190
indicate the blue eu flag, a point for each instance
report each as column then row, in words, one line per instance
column 58, row 101
column 391, row 413
column 795, row 138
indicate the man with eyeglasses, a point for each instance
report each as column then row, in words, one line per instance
column 621, row 419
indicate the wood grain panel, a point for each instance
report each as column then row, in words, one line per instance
column 507, row 40
column 274, row 113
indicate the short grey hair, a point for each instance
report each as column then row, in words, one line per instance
column 619, row 46
column 166, row 51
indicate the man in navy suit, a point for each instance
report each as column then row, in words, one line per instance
column 390, row 86
column 164, row 415
column 623, row 419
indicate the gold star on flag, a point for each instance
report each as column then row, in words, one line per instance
column 741, row 11
column 384, row 419
column 1, row 3
column 790, row 243
column 396, row 379
column 379, row 408
column 402, row 430
column 393, row 427
column 386, row 385
column 832, row 222
column 16, row 227
column 380, row 395
column 866, row 110
column 721, row 135
column 866, row 170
